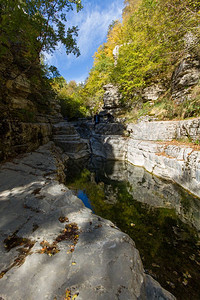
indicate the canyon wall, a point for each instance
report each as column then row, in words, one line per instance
column 152, row 145
column 26, row 118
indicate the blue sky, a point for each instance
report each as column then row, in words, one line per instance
column 93, row 21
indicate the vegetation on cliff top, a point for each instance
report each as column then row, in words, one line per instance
column 27, row 29
column 69, row 96
column 148, row 44
column 151, row 40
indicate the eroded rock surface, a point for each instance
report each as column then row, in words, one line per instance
column 185, row 76
column 53, row 247
column 19, row 137
column 111, row 96
column 67, row 137
column 165, row 130
column 153, row 92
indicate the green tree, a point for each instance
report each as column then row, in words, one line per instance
column 70, row 98
column 29, row 28
column 102, row 68
column 153, row 42
column 38, row 25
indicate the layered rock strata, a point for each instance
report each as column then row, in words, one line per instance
column 166, row 130
column 173, row 162
column 184, row 78
column 19, row 137
column 112, row 101
column 67, row 137
column 148, row 146
column 52, row 247
column 27, row 110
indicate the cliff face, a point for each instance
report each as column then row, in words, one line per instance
column 28, row 107
column 175, row 96
column 185, row 77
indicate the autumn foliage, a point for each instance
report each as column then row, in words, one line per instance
column 151, row 38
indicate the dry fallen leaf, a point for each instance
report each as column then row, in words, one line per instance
column 67, row 295
column 185, row 281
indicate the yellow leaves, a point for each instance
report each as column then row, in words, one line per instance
column 171, row 284
column 185, row 281
column 187, row 275
column 70, row 232
column 68, row 295
column 114, row 38
column 63, row 219
column 49, row 249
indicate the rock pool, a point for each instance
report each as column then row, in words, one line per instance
column 162, row 218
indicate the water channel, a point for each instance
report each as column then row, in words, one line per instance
column 161, row 217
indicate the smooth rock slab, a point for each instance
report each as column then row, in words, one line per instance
column 103, row 262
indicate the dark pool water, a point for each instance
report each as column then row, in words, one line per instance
column 161, row 217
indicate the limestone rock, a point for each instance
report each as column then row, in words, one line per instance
column 111, row 96
column 109, row 147
column 177, row 163
column 116, row 53
column 22, row 127
column 19, row 88
column 66, row 137
column 19, row 137
column 165, row 130
column 145, row 146
column 189, row 129
column 97, row 261
column 153, row 92
column 110, row 129
column 185, row 76
column 153, row 131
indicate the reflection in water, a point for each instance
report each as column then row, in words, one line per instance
column 161, row 217
column 83, row 196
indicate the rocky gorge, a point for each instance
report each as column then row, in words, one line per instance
column 147, row 72
column 152, row 145
column 53, row 247
column 49, row 227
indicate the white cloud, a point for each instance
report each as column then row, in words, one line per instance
column 94, row 25
column 93, row 22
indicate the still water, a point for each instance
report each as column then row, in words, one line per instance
column 161, row 217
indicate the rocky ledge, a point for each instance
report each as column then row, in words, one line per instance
column 52, row 247
column 163, row 148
